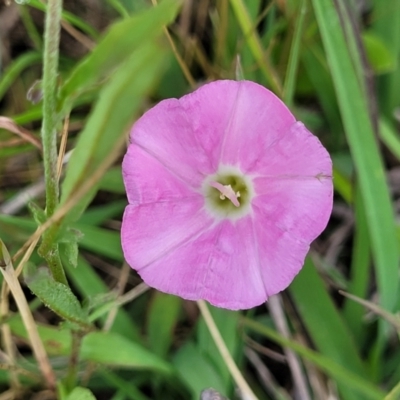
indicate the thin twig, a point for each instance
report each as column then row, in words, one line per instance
column 276, row 310
column 27, row 318
column 72, row 201
column 245, row 389
column 178, row 57
column 63, row 146
column 6, row 336
column 122, row 281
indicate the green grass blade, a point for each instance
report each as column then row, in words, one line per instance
column 119, row 102
column 130, row 34
column 390, row 137
column 364, row 150
column 290, row 80
column 255, row 45
column 360, row 272
column 387, row 27
column 15, row 69
column 324, row 323
column 365, row 389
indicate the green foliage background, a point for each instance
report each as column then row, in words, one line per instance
column 336, row 64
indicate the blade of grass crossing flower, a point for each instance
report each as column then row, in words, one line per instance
column 360, row 272
column 364, row 150
column 337, row 372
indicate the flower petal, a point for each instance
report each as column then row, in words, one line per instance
column 149, row 231
column 259, row 119
column 281, row 254
column 297, row 153
column 220, row 265
column 147, row 180
column 186, row 135
column 299, row 206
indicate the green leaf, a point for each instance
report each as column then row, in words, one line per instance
column 324, row 324
column 227, row 323
column 119, row 102
column 120, row 42
column 57, row 341
column 101, row 241
column 80, row 393
column 360, row 273
column 69, row 252
column 347, row 378
column 253, row 40
column 67, row 16
column 378, row 54
column 114, row 350
column 162, row 318
column 14, row 70
column 112, row 181
column 100, row 214
column 390, row 137
column 364, row 149
column 58, row 297
column 89, row 284
column 38, row 214
column 196, row 370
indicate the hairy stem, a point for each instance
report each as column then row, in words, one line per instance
column 49, row 131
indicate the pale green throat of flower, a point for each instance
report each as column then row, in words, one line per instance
column 228, row 193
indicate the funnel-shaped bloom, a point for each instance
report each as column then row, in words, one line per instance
column 226, row 192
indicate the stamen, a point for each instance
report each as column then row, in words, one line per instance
column 227, row 192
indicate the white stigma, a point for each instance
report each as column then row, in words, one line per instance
column 227, row 192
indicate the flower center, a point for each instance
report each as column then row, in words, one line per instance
column 228, row 193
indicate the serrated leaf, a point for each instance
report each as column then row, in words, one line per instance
column 56, row 296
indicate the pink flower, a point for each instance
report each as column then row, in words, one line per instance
column 226, row 192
